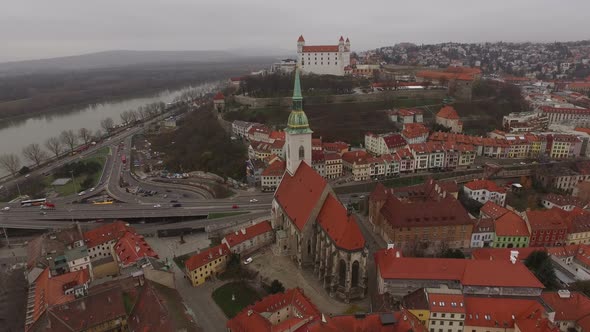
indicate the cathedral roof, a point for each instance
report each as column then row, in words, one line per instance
column 340, row 227
column 299, row 193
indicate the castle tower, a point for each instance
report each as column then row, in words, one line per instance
column 347, row 45
column 300, row 44
column 297, row 133
column 341, row 45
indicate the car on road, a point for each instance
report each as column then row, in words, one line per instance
column 248, row 261
column 81, row 193
column 176, row 205
column 253, row 200
column 522, row 163
column 362, row 196
column 27, row 175
column 157, row 205
column 173, row 201
column 234, row 206
column 92, row 189
column 6, row 208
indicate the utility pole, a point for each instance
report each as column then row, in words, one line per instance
column 73, row 182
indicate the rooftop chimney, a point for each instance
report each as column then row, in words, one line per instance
column 513, row 256
column 564, row 293
column 243, row 230
column 390, row 246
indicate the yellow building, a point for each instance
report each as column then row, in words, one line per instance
column 203, row 265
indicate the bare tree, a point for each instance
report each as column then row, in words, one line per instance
column 68, row 137
column 98, row 134
column 34, row 153
column 10, row 162
column 125, row 117
column 85, row 135
column 142, row 113
column 107, row 124
column 53, row 144
column 133, row 116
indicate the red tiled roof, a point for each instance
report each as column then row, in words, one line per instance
column 563, row 200
column 468, row 272
column 277, row 144
column 511, row 224
column 484, row 184
column 277, row 135
column 486, row 312
column 331, row 156
column 352, row 157
column 447, row 211
column 317, row 156
column 300, row 39
column 493, row 210
column 320, row 48
column 404, row 322
column 340, row 227
column 440, row 302
column 233, row 239
column 448, row 112
column 275, row 169
column 132, row 247
column 254, row 317
column 414, row 130
column 316, row 142
column 260, row 129
column 568, row 308
column 299, row 194
column 335, row 146
column 219, row 96
column 49, row 290
column 88, row 312
column 546, row 219
column 159, row 308
column 106, row 233
column 503, row 253
column 206, row 256
column 394, row 141
column 380, row 193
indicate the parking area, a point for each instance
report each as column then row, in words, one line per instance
column 273, row 267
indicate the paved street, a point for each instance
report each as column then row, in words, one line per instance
column 209, row 316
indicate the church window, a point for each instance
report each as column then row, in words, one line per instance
column 301, row 153
column 355, row 274
column 342, row 273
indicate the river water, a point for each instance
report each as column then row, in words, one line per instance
column 18, row 133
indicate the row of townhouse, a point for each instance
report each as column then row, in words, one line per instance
column 501, row 145
column 384, row 143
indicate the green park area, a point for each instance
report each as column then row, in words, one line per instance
column 233, row 297
column 86, row 173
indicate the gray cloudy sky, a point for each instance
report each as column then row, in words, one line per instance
column 46, row 28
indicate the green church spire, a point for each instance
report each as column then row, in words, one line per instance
column 297, row 123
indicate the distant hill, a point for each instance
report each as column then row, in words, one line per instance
column 118, row 58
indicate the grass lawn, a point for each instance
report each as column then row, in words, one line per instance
column 405, row 181
column 525, row 199
column 353, row 309
column 215, row 215
column 70, row 188
column 244, row 296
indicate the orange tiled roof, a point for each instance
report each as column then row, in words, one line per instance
column 493, row 210
column 206, row 256
column 571, row 308
column 352, row 157
column 448, row 112
column 486, row 312
column 275, row 169
column 106, row 233
column 254, row 317
column 414, row 130
column 219, row 96
column 484, row 184
column 511, row 224
column 132, row 247
column 404, row 322
column 299, row 193
column 503, row 253
column 235, row 238
column 342, row 228
column 468, row 272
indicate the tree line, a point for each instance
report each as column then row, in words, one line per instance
column 69, row 139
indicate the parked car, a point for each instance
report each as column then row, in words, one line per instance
column 234, row 206
column 176, row 205
column 248, row 261
column 81, row 193
column 253, row 200
column 6, row 208
column 92, row 189
column 157, row 205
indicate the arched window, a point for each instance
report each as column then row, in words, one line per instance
column 355, row 274
column 342, row 273
column 301, row 153
column 309, row 247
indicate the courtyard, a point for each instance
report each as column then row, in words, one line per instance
column 270, row 267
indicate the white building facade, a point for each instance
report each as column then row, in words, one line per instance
column 323, row 59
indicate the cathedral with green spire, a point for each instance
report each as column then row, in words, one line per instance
column 297, row 133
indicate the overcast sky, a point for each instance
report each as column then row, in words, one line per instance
column 32, row 29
